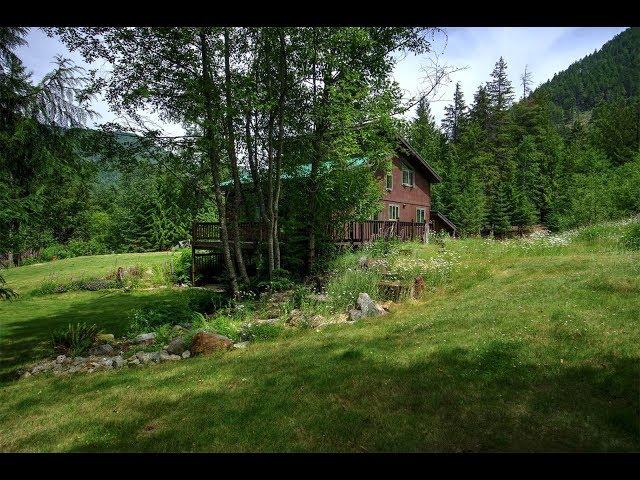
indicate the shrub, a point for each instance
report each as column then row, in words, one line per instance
column 74, row 340
column 148, row 318
column 53, row 252
column 182, row 267
column 224, row 326
column 5, row 292
column 631, row 238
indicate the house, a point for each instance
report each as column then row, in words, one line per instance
column 405, row 210
column 407, row 188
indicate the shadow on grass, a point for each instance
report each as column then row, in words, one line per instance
column 343, row 398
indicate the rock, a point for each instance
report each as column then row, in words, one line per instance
column 368, row 307
column 176, row 346
column 355, row 315
column 296, row 318
column 387, row 305
column 143, row 357
column 145, row 338
column 316, row 321
column 105, row 337
column 61, row 359
column 118, row 361
column 186, row 354
column 133, row 361
column 240, row 345
column 104, row 349
column 167, row 357
column 155, row 356
column 77, row 360
column 205, row 343
column 25, row 375
column 74, row 368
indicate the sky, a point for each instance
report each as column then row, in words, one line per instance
column 473, row 50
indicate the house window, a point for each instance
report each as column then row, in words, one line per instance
column 420, row 215
column 394, row 212
column 389, row 181
column 407, row 175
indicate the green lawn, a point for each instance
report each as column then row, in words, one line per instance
column 523, row 348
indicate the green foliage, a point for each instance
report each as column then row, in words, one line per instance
column 74, row 340
column 5, row 292
column 91, row 284
column 631, row 238
column 344, row 286
column 259, row 331
column 148, row 318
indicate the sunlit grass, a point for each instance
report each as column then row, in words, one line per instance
column 524, row 346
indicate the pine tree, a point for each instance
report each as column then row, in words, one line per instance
column 469, row 212
column 481, row 108
column 499, row 216
column 425, row 137
column 455, row 115
column 499, row 88
column 523, row 213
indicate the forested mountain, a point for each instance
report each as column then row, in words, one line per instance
column 609, row 74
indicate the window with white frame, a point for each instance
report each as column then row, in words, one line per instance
column 394, row 212
column 389, row 181
column 420, row 214
column 407, row 175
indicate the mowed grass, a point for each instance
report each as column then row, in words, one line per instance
column 525, row 347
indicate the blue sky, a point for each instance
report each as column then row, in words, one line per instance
column 546, row 50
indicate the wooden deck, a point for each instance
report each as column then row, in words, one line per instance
column 206, row 245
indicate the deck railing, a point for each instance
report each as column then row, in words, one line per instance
column 351, row 232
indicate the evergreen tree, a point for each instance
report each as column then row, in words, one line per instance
column 499, row 217
column 469, row 213
column 455, row 115
column 424, row 135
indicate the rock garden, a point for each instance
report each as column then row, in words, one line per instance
column 204, row 323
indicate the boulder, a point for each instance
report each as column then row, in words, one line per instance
column 105, row 337
column 176, row 346
column 204, row 343
column 355, row 315
column 186, row 354
column 104, row 349
column 145, row 338
column 167, row 357
column 240, row 345
column 368, row 307
column 118, row 361
column 61, row 359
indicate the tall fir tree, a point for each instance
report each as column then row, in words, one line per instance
column 455, row 115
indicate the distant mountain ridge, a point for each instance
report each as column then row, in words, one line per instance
column 611, row 73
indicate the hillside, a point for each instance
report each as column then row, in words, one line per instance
column 521, row 345
column 611, row 73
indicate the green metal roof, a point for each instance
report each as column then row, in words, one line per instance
column 300, row 171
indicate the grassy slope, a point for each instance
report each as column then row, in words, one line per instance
column 524, row 349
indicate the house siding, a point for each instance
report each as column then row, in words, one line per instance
column 407, row 198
